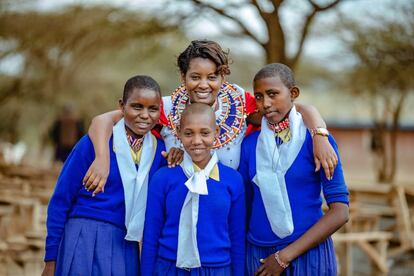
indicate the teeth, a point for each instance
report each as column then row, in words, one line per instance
column 203, row 94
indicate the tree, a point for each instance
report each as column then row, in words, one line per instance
column 384, row 53
column 54, row 47
column 275, row 44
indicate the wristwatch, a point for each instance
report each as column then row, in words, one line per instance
column 319, row 131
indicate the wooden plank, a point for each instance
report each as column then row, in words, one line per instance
column 370, row 188
column 375, row 256
column 409, row 190
column 344, row 253
column 403, row 217
column 361, row 236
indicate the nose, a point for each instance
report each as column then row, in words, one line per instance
column 144, row 113
column 267, row 103
column 203, row 84
column 196, row 140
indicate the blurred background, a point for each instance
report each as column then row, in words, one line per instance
column 63, row 62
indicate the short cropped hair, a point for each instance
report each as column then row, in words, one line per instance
column 198, row 109
column 277, row 70
column 139, row 82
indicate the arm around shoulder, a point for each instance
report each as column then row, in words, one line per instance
column 100, row 132
column 324, row 154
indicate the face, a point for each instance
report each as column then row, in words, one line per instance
column 202, row 81
column 197, row 133
column 141, row 111
column 273, row 99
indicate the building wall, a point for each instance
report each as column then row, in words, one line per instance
column 358, row 159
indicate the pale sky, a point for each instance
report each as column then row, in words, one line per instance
column 360, row 9
column 320, row 49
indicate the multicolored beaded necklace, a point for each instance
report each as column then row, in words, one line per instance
column 279, row 126
column 231, row 118
column 135, row 143
column 281, row 130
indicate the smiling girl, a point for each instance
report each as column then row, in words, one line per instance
column 204, row 66
column 195, row 216
column 92, row 234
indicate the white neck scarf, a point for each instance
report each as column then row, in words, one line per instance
column 135, row 182
column 272, row 163
column 187, row 251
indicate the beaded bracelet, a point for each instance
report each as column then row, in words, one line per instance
column 279, row 261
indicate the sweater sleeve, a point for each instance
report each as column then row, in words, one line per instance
column 335, row 190
column 154, row 222
column 162, row 148
column 67, row 187
column 244, row 172
column 237, row 230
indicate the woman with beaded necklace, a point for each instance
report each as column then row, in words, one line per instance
column 203, row 66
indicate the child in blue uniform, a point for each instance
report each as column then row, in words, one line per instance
column 287, row 230
column 195, row 216
column 92, row 234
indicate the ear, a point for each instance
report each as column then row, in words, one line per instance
column 182, row 78
column 217, row 131
column 121, row 105
column 178, row 131
column 294, row 92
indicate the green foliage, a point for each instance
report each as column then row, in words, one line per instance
column 78, row 54
column 384, row 52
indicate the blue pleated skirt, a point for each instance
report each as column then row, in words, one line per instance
column 320, row 260
column 165, row 267
column 91, row 247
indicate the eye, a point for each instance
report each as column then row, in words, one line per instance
column 137, row 107
column 205, row 133
column 194, row 78
column 258, row 97
column 154, row 109
column 212, row 77
column 273, row 94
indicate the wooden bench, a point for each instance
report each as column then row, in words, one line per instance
column 365, row 240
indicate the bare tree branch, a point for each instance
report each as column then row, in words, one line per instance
column 306, row 26
column 222, row 12
column 277, row 3
column 259, row 9
column 318, row 8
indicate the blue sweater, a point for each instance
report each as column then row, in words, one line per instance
column 303, row 185
column 221, row 220
column 71, row 200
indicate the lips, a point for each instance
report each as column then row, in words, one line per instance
column 271, row 113
column 198, row 150
column 142, row 124
column 203, row 94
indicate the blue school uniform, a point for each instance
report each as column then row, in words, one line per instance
column 304, row 187
column 220, row 227
column 86, row 235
